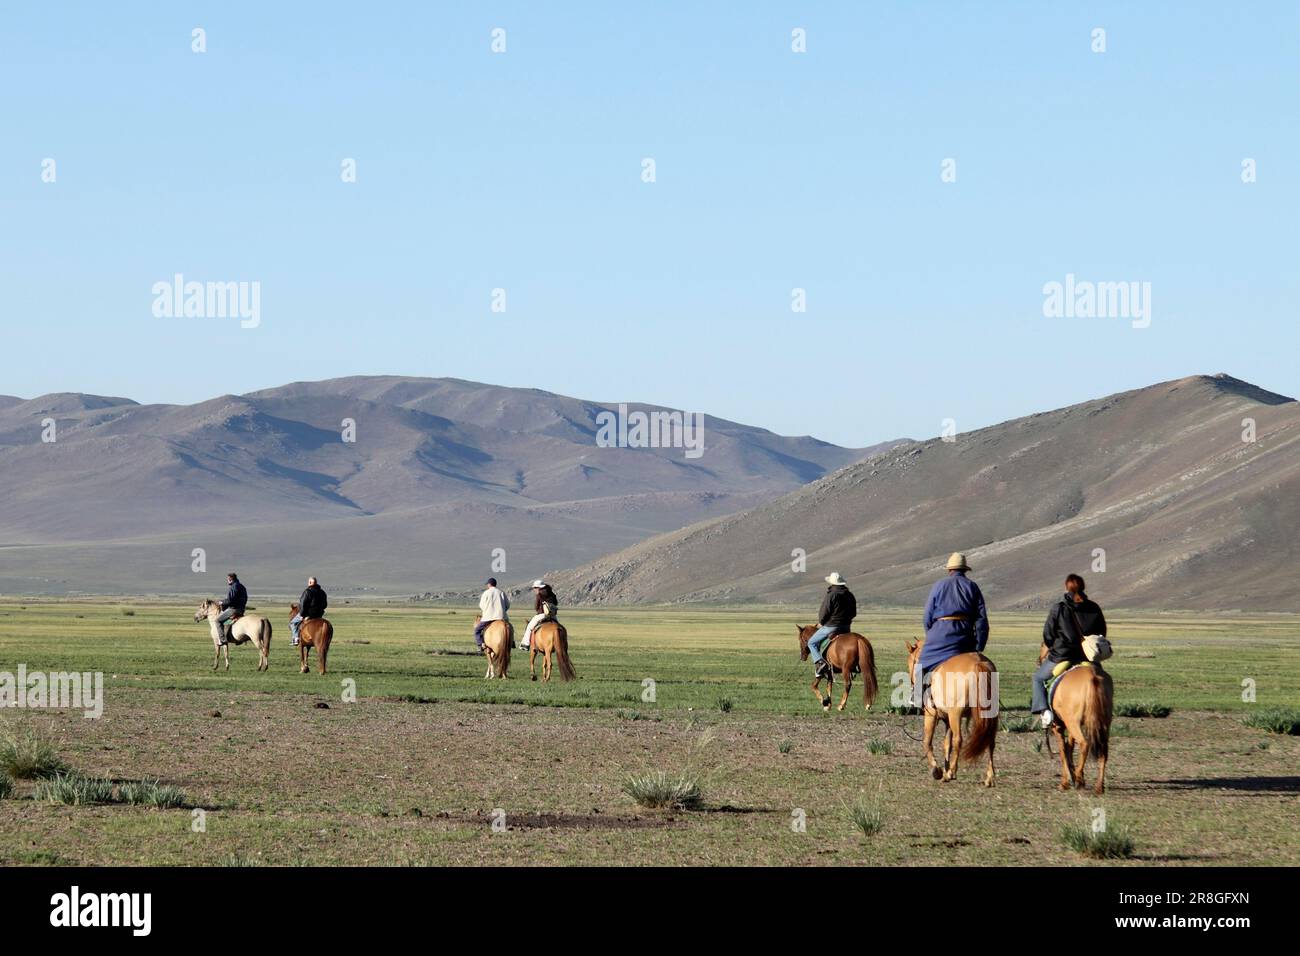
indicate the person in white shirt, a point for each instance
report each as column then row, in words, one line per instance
column 492, row 605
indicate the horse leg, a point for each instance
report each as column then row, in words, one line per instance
column 303, row 646
column 532, row 660
column 988, row 777
column 321, row 653
column 1067, row 755
column 954, row 736
column 1083, row 762
column 216, row 654
column 1100, row 786
column 847, row 673
column 816, row 689
column 226, row 649
column 928, row 734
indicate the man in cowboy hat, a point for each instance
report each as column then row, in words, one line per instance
column 955, row 621
column 839, row 608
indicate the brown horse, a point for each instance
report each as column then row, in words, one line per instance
column 498, row 638
column 1082, row 706
column 847, row 653
column 314, row 632
column 547, row 637
column 964, row 688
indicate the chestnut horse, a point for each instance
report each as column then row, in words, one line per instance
column 1082, row 707
column 847, row 653
column 962, row 688
column 242, row 630
column 547, row 637
column 314, row 632
column 497, row 640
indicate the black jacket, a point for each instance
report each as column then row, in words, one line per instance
column 838, row 609
column 313, row 602
column 236, row 597
column 1066, row 626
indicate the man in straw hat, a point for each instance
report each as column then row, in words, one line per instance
column 839, row 608
column 956, row 621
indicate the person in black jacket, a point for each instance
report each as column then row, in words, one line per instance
column 311, row 605
column 1073, row 618
column 839, row 608
column 233, row 606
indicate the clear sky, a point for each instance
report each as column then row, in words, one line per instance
column 774, row 170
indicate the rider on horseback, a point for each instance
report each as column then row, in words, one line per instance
column 955, row 621
column 311, row 605
column 1073, row 617
column 545, row 604
column 493, row 605
column 839, row 608
column 233, row 606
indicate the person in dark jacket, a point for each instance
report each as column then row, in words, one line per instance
column 311, row 605
column 233, row 606
column 955, row 621
column 1073, row 618
column 839, row 608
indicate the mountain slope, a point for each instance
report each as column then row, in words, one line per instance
column 1188, row 514
column 452, row 468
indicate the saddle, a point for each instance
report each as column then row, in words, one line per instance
column 1058, row 672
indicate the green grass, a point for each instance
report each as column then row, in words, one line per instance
column 1112, row 843
column 26, row 754
column 6, row 786
column 151, row 793
column 867, row 818
column 785, row 746
column 879, row 747
column 1020, row 725
column 659, row 791
column 1276, row 720
column 1142, row 709
column 75, row 790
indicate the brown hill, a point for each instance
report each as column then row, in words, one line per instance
column 1189, row 515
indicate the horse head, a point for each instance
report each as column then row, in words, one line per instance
column 202, row 613
column 805, row 631
column 913, row 653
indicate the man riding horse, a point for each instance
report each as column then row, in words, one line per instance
column 956, row 622
column 233, row 606
column 311, row 606
column 839, row 608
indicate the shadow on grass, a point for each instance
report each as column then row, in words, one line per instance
column 1251, row 784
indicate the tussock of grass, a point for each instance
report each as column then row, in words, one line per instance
column 6, row 786
column 1020, row 725
column 26, row 755
column 1142, row 709
column 725, row 704
column 151, row 793
column 1112, row 843
column 867, row 818
column 127, row 612
column 903, row 710
column 658, row 791
column 74, row 790
column 1276, row 720
column 785, row 746
column 880, row 747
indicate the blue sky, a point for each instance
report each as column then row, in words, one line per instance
column 775, row 170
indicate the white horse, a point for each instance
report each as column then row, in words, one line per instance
column 242, row 630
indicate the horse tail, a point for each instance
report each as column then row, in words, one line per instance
column 1095, row 719
column 867, row 664
column 983, row 724
column 567, row 672
column 267, row 635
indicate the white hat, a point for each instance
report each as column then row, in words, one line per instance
column 957, row 562
column 539, row 583
column 834, row 579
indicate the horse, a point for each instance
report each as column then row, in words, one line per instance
column 498, row 637
column 1082, row 708
column 848, row 652
column 314, row 632
column 547, row 637
column 242, row 630
column 962, row 689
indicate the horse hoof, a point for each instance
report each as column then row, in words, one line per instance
column 936, row 773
